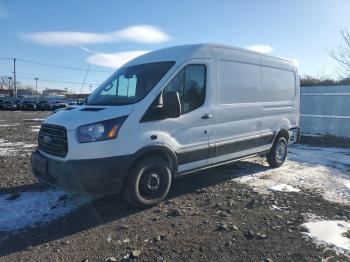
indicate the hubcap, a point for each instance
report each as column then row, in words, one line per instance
column 150, row 184
column 280, row 151
column 153, row 182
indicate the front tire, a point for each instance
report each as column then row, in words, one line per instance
column 278, row 153
column 148, row 182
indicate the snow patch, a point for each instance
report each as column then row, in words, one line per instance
column 32, row 209
column 34, row 120
column 333, row 232
column 9, row 125
column 13, row 148
column 35, row 128
column 323, row 170
column 283, row 188
column 347, row 184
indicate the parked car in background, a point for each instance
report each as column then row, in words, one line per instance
column 44, row 105
column 9, row 105
column 72, row 103
column 29, row 105
column 59, row 104
column 2, row 101
column 19, row 104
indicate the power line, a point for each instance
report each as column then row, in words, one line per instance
column 63, row 67
column 56, row 81
column 21, row 76
column 25, row 76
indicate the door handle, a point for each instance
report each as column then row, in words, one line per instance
column 206, row 116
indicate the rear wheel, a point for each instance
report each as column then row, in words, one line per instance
column 148, row 182
column 278, row 153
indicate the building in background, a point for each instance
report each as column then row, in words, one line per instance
column 55, row 92
column 6, row 92
column 76, row 96
column 24, row 92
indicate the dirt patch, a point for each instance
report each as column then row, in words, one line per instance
column 346, row 234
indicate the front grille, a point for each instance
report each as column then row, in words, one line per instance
column 53, row 140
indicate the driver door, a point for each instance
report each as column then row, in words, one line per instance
column 189, row 134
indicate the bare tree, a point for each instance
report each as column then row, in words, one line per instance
column 5, row 82
column 342, row 54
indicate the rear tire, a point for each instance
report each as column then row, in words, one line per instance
column 278, row 153
column 148, row 182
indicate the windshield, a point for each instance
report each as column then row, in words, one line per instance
column 130, row 84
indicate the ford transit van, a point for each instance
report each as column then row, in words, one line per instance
column 167, row 113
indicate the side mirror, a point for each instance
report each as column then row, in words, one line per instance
column 171, row 104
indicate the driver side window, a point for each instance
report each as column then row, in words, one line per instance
column 190, row 84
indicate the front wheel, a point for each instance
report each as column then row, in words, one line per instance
column 278, row 153
column 148, row 182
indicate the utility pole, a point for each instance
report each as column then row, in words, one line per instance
column 90, row 89
column 36, row 87
column 14, row 77
column 10, row 78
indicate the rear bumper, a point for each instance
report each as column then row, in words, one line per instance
column 97, row 176
column 294, row 135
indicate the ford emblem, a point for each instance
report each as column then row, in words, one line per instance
column 47, row 139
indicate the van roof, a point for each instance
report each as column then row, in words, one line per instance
column 191, row 51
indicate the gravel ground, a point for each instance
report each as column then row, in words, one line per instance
column 213, row 215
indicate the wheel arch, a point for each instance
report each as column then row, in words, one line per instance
column 284, row 133
column 162, row 151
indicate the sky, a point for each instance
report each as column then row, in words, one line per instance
column 102, row 35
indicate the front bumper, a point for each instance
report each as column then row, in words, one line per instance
column 97, row 176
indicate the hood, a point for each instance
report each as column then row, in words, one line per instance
column 72, row 118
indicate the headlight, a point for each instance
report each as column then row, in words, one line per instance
column 99, row 131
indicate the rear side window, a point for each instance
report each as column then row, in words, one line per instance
column 249, row 83
column 238, row 82
column 190, row 83
column 277, row 84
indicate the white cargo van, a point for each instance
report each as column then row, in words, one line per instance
column 170, row 112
